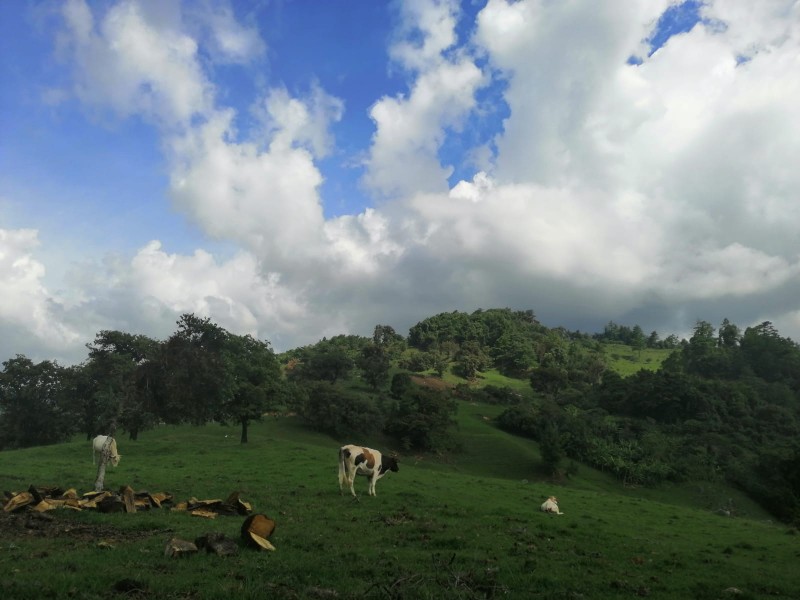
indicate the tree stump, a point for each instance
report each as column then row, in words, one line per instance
column 256, row 529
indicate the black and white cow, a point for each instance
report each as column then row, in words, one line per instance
column 358, row 460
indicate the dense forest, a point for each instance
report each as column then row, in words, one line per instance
column 723, row 405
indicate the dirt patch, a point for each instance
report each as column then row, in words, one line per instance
column 433, row 383
column 29, row 524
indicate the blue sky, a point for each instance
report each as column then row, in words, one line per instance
column 296, row 169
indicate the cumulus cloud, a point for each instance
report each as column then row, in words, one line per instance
column 134, row 64
column 653, row 193
column 29, row 314
column 409, row 129
column 230, row 42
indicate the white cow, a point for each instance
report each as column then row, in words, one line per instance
column 358, row 460
column 98, row 445
column 551, row 505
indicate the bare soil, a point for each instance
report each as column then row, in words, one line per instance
column 25, row 524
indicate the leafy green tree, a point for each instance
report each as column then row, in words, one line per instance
column 197, row 375
column 440, row 362
column 401, row 383
column 122, row 385
column 423, row 419
column 374, row 363
column 328, row 364
column 550, row 447
column 549, row 380
column 256, row 376
column 339, row 412
column 389, row 340
column 653, row 341
column 514, row 353
column 416, row 360
column 637, row 341
column 470, row 359
column 31, row 404
column 770, row 356
column 729, row 335
column 670, row 342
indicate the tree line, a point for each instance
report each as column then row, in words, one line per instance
column 724, row 405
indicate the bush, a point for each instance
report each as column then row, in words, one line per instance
column 422, row 419
column 339, row 412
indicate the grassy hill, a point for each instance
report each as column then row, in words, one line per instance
column 465, row 525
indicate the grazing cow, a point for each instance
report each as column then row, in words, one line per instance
column 358, row 460
column 551, row 505
column 98, row 445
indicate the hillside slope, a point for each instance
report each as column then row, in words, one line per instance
column 459, row 526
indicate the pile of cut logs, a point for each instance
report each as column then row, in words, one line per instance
column 41, row 499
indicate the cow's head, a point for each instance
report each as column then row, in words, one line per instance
column 115, row 459
column 391, row 463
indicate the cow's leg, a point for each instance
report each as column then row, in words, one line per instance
column 341, row 473
column 351, row 476
column 373, row 478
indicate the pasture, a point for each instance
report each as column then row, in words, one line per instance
column 465, row 525
column 626, row 360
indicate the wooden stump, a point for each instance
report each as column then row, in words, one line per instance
column 256, row 529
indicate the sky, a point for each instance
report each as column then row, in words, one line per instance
column 297, row 169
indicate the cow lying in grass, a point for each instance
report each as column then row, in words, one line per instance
column 358, row 460
column 551, row 505
column 99, row 443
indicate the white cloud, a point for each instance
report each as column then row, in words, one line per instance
column 26, row 307
column 410, row 129
column 134, row 65
column 264, row 193
column 230, row 41
column 651, row 193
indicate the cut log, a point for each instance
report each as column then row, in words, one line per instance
column 18, row 501
column 37, row 497
column 111, row 504
column 217, row 543
column 206, row 514
column 177, row 547
column 261, row 542
column 256, row 529
column 128, row 498
column 44, row 506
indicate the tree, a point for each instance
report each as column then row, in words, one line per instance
column 729, row 335
column 423, row 419
column 121, row 381
column 514, row 353
column 329, row 364
column 550, row 447
column 389, row 340
column 374, row 364
column 31, row 404
column 470, row 359
column 653, row 340
column 638, row 342
column 549, row 380
column 197, row 376
column 339, row 412
column 255, row 374
column 770, row 356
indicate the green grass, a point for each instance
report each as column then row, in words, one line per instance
column 464, row 525
column 627, row 361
